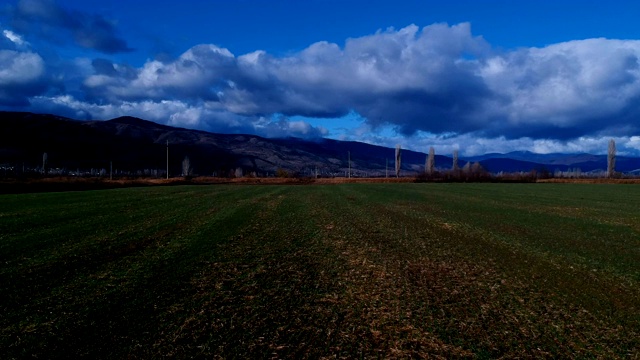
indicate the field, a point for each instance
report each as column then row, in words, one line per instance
column 345, row 270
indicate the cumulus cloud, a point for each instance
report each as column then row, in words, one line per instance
column 439, row 80
column 198, row 74
column 21, row 76
column 565, row 90
column 403, row 76
column 45, row 18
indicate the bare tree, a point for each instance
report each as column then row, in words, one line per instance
column 386, row 167
column 455, row 166
column 467, row 167
column 186, row 167
column 611, row 159
column 430, row 165
column 476, row 168
column 398, row 159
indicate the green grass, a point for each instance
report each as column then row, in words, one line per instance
column 351, row 270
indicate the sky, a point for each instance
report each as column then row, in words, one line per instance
column 479, row 76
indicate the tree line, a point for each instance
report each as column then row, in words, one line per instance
column 468, row 172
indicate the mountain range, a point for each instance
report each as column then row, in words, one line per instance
column 133, row 145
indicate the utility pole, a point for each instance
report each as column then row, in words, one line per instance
column 386, row 167
column 349, row 153
column 110, row 170
column 167, row 159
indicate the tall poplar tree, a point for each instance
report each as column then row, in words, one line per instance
column 430, row 166
column 611, row 159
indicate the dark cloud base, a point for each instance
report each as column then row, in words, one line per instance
column 46, row 19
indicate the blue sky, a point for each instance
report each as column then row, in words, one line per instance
column 478, row 76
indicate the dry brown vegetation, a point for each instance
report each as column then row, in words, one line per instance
column 45, row 184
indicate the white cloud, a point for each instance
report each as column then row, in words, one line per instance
column 180, row 114
column 473, row 144
column 22, row 74
column 574, row 86
column 19, row 67
column 438, row 80
column 15, row 38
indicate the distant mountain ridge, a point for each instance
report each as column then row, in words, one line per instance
column 555, row 161
column 549, row 159
column 133, row 145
